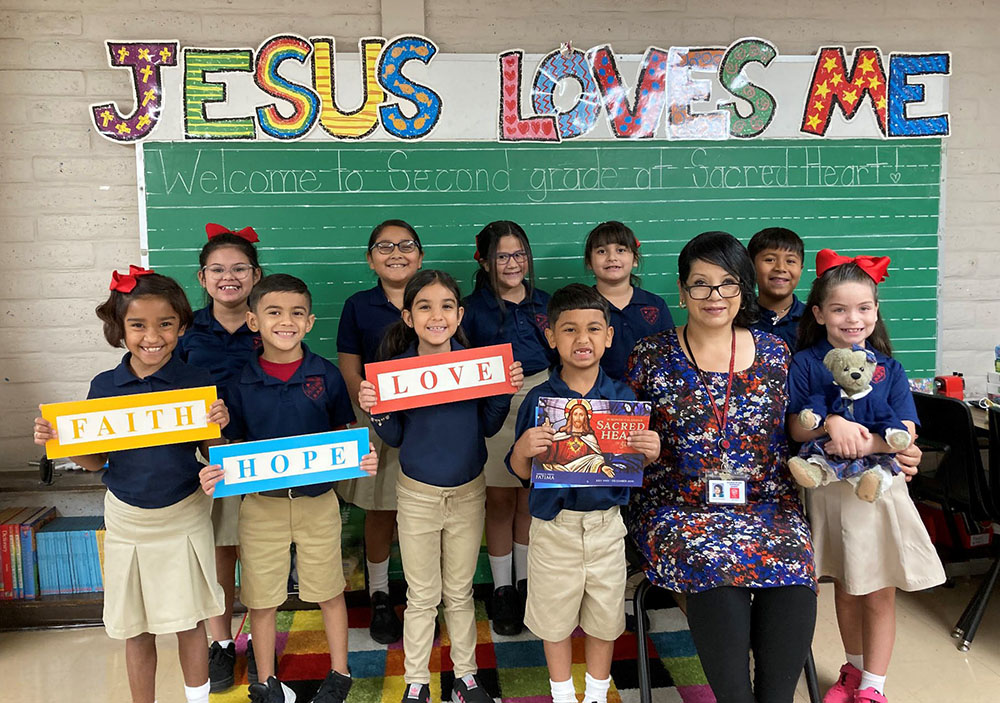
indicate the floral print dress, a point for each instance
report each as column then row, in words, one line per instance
column 690, row 545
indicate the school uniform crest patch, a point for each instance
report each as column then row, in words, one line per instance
column 313, row 387
column 542, row 320
column 257, row 343
column 879, row 375
column 650, row 314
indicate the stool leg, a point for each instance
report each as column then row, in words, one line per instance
column 812, row 685
column 977, row 615
column 642, row 649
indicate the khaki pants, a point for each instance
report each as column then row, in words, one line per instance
column 440, row 533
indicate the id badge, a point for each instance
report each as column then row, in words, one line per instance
column 726, row 490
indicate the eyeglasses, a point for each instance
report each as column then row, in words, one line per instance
column 704, row 292
column 518, row 256
column 240, row 271
column 407, row 246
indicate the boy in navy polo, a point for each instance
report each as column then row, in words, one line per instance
column 777, row 255
column 286, row 391
column 576, row 554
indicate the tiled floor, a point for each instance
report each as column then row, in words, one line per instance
column 83, row 665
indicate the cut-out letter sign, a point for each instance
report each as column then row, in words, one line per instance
column 417, row 381
column 287, row 462
column 130, row 421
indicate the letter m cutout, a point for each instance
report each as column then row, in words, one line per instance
column 833, row 85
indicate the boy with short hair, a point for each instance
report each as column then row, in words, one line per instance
column 576, row 555
column 286, row 391
column 777, row 255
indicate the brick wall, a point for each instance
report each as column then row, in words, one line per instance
column 68, row 201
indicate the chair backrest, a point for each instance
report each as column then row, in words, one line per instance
column 994, row 460
column 960, row 477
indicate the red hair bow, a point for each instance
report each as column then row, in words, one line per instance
column 637, row 242
column 213, row 230
column 875, row 266
column 125, row 282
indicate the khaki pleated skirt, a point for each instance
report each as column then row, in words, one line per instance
column 159, row 567
column 497, row 446
column 376, row 492
column 871, row 546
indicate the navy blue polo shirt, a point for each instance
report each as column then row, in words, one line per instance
column 367, row 315
column 644, row 315
column 208, row 344
column 151, row 477
column 443, row 445
column 523, row 325
column 313, row 400
column 545, row 503
column 810, row 384
column 787, row 328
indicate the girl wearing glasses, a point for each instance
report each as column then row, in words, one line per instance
column 743, row 554
column 219, row 341
column 506, row 307
column 395, row 254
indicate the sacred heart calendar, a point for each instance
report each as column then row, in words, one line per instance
column 590, row 447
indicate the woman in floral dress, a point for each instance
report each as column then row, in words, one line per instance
column 744, row 557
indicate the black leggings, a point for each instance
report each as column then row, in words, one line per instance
column 776, row 623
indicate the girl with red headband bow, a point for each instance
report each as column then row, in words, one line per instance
column 219, row 341
column 869, row 548
column 159, row 561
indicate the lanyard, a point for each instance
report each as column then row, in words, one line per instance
column 720, row 417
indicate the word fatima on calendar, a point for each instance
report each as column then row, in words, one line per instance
column 287, row 89
column 130, row 421
column 287, row 462
column 418, row 381
column 590, row 444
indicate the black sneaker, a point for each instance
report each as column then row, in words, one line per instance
column 505, row 611
column 252, row 663
column 385, row 627
column 221, row 662
column 334, row 688
column 271, row 692
column 469, row 689
column 417, row 693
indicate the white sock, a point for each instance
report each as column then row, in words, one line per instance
column 197, row 694
column 378, row 576
column 856, row 660
column 562, row 691
column 501, row 568
column 869, row 680
column 223, row 643
column 596, row 690
column 520, row 561
column 249, row 636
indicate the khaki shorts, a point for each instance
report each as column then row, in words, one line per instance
column 576, row 575
column 268, row 527
column 497, row 446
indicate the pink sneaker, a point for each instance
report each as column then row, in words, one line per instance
column 843, row 691
column 869, row 695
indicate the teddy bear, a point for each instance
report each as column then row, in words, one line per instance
column 849, row 397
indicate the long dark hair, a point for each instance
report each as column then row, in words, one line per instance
column 398, row 338
column 725, row 251
column 811, row 332
column 486, row 247
column 616, row 233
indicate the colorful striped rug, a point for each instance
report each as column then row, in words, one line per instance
column 512, row 668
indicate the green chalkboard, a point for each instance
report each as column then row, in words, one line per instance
column 315, row 203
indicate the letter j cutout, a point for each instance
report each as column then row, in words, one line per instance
column 145, row 59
